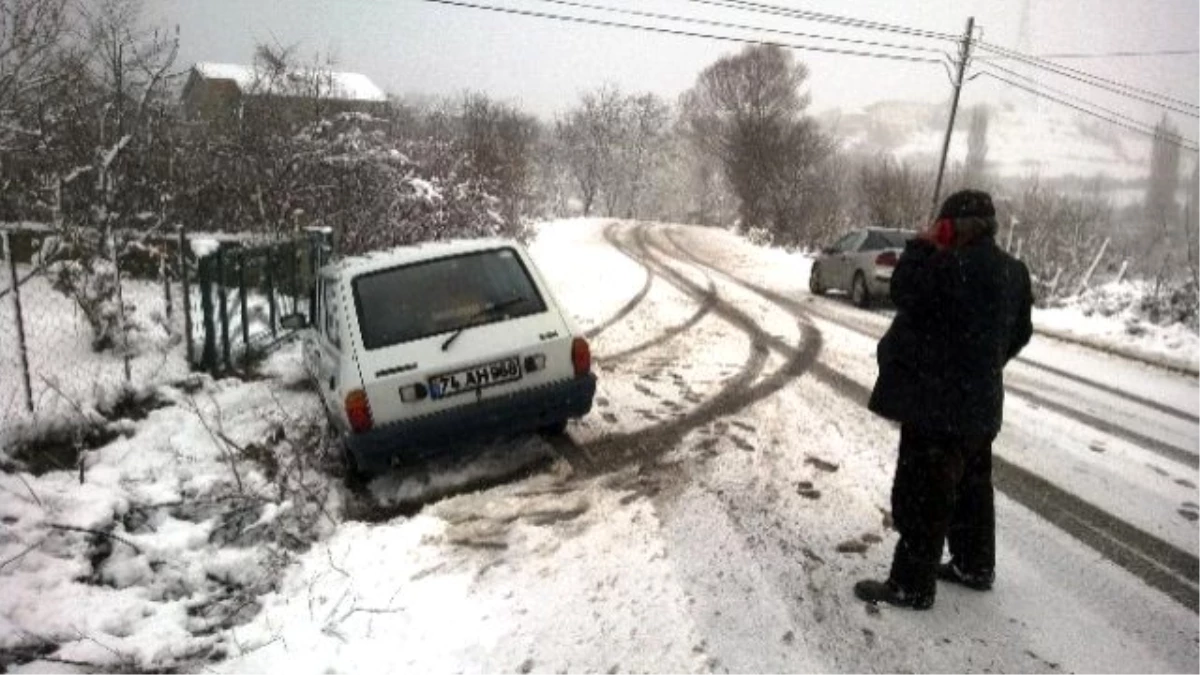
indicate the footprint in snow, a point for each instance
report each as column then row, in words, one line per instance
column 852, row 546
column 706, row 447
column 805, row 489
column 742, row 443
column 644, row 390
column 821, row 464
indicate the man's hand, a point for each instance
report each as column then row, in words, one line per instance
column 940, row 233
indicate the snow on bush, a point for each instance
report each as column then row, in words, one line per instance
column 92, row 284
column 1138, row 303
column 382, row 196
column 161, row 538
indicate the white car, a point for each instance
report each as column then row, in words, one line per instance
column 421, row 347
column 860, row 263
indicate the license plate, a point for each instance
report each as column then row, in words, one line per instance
column 476, row 377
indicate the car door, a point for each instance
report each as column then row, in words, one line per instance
column 328, row 352
column 863, row 256
column 310, row 340
column 842, row 263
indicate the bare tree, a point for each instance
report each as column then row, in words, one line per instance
column 1191, row 225
column 499, row 141
column 110, row 170
column 33, row 36
column 1060, row 234
column 1192, row 208
column 747, row 111
column 647, row 122
column 892, row 194
column 1164, row 174
column 590, row 136
column 977, row 148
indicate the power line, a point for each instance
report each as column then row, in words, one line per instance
column 1113, row 86
column 681, row 33
column 1113, row 113
column 777, row 10
column 739, row 26
column 1107, row 55
column 1185, row 145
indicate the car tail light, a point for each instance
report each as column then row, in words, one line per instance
column 358, row 411
column 581, row 356
column 886, row 259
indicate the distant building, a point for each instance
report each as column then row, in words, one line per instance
column 219, row 92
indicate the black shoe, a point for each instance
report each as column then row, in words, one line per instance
column 887, row 591
column 980, row 581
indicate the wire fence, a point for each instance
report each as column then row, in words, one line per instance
column 242, row 292
column 161, row 309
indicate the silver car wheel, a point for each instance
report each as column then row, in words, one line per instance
column 858, row 291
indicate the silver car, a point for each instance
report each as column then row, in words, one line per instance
column 860, row 263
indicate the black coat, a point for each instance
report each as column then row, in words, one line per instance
column 962, row 314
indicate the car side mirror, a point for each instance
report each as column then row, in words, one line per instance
column 294, row 321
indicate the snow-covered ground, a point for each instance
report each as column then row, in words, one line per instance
column 66, row 375
column 211, row 535
column 64, row 371
column 1105, row 317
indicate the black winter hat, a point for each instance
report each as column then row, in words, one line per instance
column 967, row 204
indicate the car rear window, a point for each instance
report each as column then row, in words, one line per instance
column 414, row 301
column 881, row 239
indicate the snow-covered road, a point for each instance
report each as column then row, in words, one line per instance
column 714, row 510
column 729, row 487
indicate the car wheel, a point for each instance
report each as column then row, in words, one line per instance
column 858, row 291
column 354, row 477
column 814, row 281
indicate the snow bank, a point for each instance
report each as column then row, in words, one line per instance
column 1131, row 318
column 166, row 536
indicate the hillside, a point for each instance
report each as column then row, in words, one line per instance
column 1023, row 139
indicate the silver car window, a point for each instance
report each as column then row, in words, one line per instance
column 877, row 240
column 856, row 244
column 845, row 243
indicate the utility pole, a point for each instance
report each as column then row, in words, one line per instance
column 964, row 52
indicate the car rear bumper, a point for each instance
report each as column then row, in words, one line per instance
column 880, row 284
column 516, row 413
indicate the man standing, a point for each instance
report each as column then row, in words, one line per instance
column 963, row 312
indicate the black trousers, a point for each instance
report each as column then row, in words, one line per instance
column 942, row 493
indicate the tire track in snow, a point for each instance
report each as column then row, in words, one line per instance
column 834, row 310
column 702, row 310
column 629, row 306
column 1161, row 448
column 614, row 451
column 1158, row 563
column 1134, row 398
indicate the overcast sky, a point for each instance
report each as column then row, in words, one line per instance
column 542, row 65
